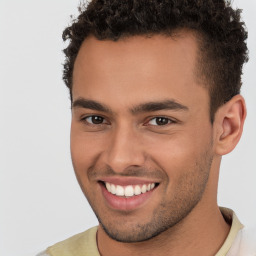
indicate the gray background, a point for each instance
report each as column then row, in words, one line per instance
column 41, row 202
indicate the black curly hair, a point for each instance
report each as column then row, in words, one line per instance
column 220, row 32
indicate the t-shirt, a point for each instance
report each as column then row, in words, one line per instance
column 239, row 241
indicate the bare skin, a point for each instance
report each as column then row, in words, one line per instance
column 118, row 137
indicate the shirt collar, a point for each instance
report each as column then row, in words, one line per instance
column 231, row 218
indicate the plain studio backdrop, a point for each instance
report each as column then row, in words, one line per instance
column 41, row 202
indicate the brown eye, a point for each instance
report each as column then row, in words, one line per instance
column 94, row 119
column 162, row 120
column 158, row 121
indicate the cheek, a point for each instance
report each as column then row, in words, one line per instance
column 85, row 148
column 80, row 149
column 83, row 151
column 179, row 153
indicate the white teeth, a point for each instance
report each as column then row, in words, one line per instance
column 129, row 190
column 119, row 191
column 108, row 186
column 113, row 189
column 137, row 190
column 144, row 188
column 152, row 185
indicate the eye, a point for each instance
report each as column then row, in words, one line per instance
column 94, row 120
column 160, row 121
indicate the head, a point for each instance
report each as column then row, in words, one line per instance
column 155, row 103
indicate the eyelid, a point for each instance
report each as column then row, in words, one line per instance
column 85, row 117
column 170, row 121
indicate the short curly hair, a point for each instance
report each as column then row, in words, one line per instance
column 218, row 27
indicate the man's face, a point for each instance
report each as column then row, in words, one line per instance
column 141, row 139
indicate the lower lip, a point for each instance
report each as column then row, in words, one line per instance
column 125, row 203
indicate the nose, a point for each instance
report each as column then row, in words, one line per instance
column 124, row 150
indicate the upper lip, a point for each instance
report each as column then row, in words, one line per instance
column 125, row 181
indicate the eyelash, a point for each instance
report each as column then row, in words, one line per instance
column 170, row 121
column 84, row 119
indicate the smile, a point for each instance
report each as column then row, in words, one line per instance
column 127, row 195
column 130, row 190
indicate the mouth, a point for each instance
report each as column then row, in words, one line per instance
column 130, row 190
column 127, row 197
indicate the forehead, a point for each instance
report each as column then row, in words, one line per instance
column 137, row 69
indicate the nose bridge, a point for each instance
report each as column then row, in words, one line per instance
column 124, row 149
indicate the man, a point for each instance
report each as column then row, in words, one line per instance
column 154, row 89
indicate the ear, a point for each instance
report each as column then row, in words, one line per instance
column 228, row 125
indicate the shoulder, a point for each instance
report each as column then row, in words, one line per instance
column 81, row 244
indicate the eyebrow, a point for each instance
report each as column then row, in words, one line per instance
column 158, row 105
column 90, row 104
column 141, row 108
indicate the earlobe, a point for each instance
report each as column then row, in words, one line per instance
column 229, row 124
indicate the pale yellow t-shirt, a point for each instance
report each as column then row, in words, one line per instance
column 84, row 244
